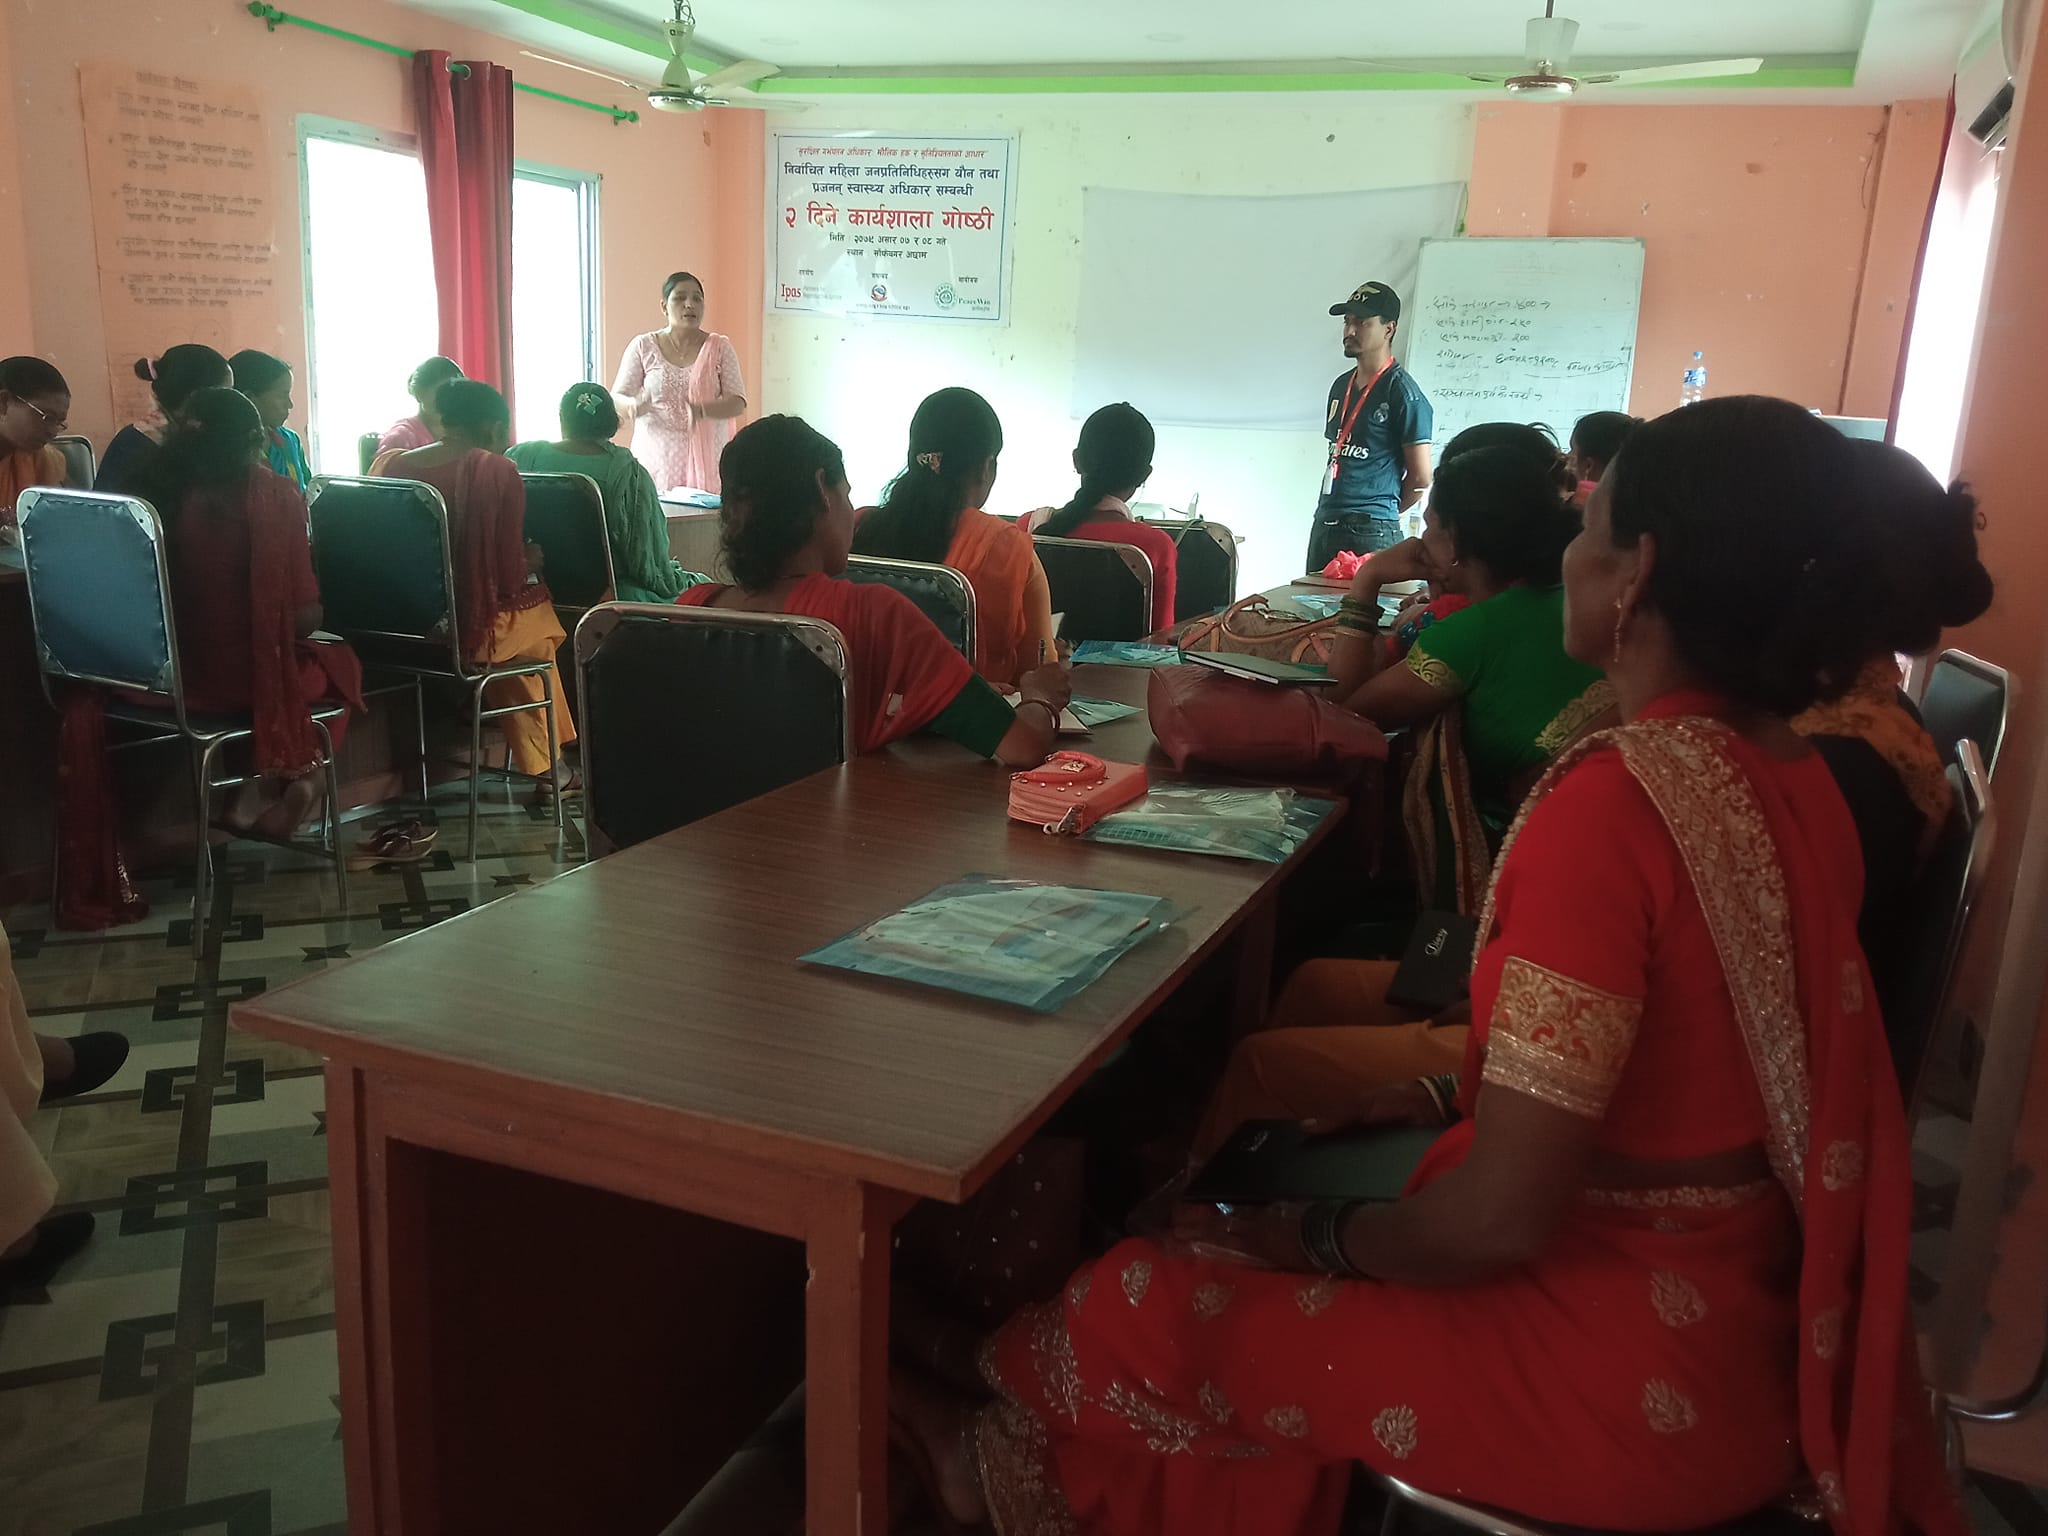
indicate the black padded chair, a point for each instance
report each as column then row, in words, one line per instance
column 100, row 600
column 1105, row 590
column 366, row 450
column 565, row 517
column 1917, row 989
column 81, row 464
column 1965, row 699
column 1439, row 1513
column 1205, row 571
column 941, row 593
column 689, row 711
column 387, row 585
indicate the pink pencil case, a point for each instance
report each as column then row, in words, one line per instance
column 1071, row 791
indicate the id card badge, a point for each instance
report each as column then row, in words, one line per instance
column 1330, row 476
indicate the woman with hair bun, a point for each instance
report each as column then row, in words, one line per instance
column 174, row 379
column 1887, row 766
column 932, row 511
column 787, row 525
column 1114, row 458
column 681, row 388
column 642, row 568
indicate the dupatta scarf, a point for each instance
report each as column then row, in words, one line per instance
column 486, row 503
column 1837, row 1134
column 995, row 557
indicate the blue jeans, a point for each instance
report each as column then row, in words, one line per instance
column 1362, row 535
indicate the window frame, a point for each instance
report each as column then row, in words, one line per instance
column 586, row 184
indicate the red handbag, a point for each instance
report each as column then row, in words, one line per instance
column 1071, row 791
column 1203, row 716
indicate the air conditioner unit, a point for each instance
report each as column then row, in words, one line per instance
column 1986, row 75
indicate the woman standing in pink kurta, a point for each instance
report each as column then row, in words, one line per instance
column 681, row 387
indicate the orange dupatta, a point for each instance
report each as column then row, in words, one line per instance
column 21, row 471
column 996, row 558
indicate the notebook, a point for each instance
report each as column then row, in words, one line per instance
column 1263, row 669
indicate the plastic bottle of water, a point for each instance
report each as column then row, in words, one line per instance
column 1694, row 390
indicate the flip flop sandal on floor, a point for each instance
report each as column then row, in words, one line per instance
column 406, row 843
column 96, row 1057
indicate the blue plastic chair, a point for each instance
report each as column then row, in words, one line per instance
column 100, row 600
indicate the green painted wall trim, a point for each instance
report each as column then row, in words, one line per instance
column 1821, row 77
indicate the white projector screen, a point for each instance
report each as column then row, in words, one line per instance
column 1215, row 311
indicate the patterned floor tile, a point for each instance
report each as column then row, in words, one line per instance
column 74, row 1325
column 300, row 1464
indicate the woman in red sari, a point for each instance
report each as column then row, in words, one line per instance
column 787, row 525
column 246, row 605
column 503, row 611
column 1653, row 1275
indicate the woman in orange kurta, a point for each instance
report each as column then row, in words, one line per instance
column 503, row 610
column 932, row 512
column 1654, row 1274
column 34, row 400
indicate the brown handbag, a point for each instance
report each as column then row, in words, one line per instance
column 1202, row 716
column 1253, row 627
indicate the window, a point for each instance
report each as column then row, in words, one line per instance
column 371, row 310
column 554, row 293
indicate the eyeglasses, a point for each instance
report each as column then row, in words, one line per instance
column 54, row 423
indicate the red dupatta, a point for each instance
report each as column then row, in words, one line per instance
column 486, row 503
column 1837, row 1134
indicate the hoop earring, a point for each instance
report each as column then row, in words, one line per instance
column 1620, row 625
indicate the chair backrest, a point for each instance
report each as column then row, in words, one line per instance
column 366, row 451
column 1965, row 700
column 941, row 593
column 1938, row 912
column 1205, row 572
column 565, row 517
column 1105, row 590
column 81, row 464
column 98, row 591
column 686, row 712
column 380, row 554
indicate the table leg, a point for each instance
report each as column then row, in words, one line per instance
column 846, row 1312
column 1253, row 986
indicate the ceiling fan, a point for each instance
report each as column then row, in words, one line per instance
column 1548, row 44
column 680, row 90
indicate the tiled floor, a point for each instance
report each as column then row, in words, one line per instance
column 180, row 1375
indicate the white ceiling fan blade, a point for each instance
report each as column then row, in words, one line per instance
column 1489, row 79
column 1704, row 69
column 581, row 69
column 738, row 75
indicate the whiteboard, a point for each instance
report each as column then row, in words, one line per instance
column 1214, row 311
column 1524, row 330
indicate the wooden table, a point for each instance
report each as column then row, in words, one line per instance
column 573, row 1135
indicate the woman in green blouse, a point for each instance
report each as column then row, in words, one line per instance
column 642, row 568
column 1490, row 687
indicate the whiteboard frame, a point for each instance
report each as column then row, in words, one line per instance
column 1405, row 343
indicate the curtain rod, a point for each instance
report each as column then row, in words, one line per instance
column 272, row 18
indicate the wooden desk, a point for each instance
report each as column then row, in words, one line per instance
column 637, row 1037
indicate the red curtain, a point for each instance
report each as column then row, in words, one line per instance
column 465, row 131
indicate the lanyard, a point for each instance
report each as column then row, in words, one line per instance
column 1351, row 410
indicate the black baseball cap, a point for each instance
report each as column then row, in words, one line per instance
column 1371, row 299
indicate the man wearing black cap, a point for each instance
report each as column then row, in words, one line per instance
column 1379, row 425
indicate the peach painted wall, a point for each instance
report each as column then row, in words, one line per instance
column 661, row 206
column 1778, row 239
column 16, row 325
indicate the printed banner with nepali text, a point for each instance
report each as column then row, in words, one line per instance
column 896, row 226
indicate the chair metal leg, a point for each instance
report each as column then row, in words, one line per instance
column 476, row 758
column 547, row 692
column 201, row 764
column 331, row 830
column 419, row 715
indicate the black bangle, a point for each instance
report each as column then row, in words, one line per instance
column 1322, row 1226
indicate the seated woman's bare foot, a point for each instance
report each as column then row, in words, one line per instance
column 937, row 1422
column 247, row 805
column 297, row 806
